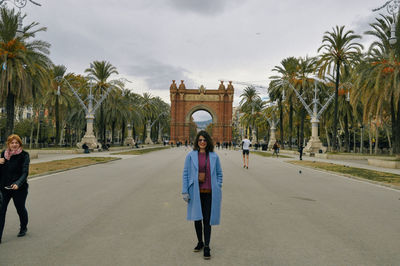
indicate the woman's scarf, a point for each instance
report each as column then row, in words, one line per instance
column 10, row 153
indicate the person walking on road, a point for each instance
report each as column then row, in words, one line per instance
column 202, row 189
column 301, row 151
column 246, row 151
column 14, row 169
column 276, row 149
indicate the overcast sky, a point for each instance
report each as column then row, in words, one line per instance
column 152, row 42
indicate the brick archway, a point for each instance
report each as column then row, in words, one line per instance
column 185, row 102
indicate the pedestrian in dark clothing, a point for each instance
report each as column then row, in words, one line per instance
column 276, row 149
column 301, row 152
column 85, row 148
column 14, row 169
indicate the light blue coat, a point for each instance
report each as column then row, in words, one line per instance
column 190, row 184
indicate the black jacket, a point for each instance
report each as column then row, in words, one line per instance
column 15, row 170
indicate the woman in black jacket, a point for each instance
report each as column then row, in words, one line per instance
column 14, row 168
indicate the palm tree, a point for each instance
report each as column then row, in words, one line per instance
column 117, row 112
column 163, row 116
column 149, row 109
column 278, row 88
column 101, row 72
column 378, row 78
column 250, row 104
column 58, row 96
column 339, row 51
column 24, row 63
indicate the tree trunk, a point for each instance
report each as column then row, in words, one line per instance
column 370, row 138
column 327, row 138
column 62, row 133
column 57, row 120
column 394, row 123
column 123, row 133
column 10, row 111
column 346, row 133
column 113, row 132
column 102, row 124
column 38, row 130
column 335, row 118
column 290, row 124
column 31, row 136
column 354, row 138
column 389, row 140
column 397, row 126
column 303, row 117
column 281, row 123
column 144, row 132
column 376, row 139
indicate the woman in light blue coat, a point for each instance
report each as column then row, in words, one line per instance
column 201, row 189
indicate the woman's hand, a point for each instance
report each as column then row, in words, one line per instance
column 14, row 186
column 2, row 160
column 186, row 197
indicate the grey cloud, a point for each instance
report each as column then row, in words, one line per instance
column 159, row 75
column 204, row 7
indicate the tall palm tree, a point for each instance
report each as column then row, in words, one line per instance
column 250, row 104
column 101, row 71
column 278, row 88
column 58, row 96
column 379, row 74
column 116, row 111
column 24, row 62
column 340, row 50
column 148, row 107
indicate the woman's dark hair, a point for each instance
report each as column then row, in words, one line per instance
column 210, row 143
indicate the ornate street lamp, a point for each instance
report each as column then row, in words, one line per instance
column 314, row 144
column 392, row 8
column 19, row 4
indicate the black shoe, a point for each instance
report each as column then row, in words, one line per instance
column 207, row 254
column 22, row 232
column 199, row 247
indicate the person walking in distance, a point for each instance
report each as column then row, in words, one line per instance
column 202, row 189
column 246, row 151
column 276, row 149
column 14, row 169
column 301, row 151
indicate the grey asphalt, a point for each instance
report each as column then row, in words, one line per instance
column 130, row 212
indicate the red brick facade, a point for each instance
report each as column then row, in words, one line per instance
column 184, row 102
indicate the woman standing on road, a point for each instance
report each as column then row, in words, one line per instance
column 14, row 168
column 201, row 189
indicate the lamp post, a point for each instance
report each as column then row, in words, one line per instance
column 314, row 144
column 89, row 137
column 19, row 4
column 392, row 7
column 148, row 129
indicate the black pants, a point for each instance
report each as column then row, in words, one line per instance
column 19, row 199
column 206, row 210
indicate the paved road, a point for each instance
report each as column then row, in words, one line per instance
column 129, row 212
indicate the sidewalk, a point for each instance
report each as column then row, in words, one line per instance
column 352, row 163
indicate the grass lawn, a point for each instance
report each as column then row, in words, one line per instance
column 383, row 177
column 141, row 151
column 267, row 154
column 48, row 167
column 361, row 154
